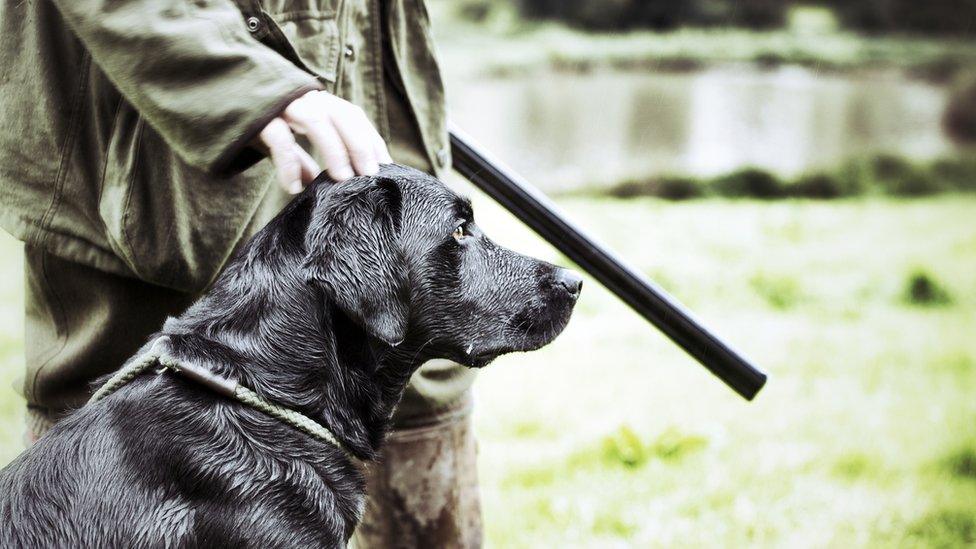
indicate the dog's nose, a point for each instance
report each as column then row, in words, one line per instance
column 570, row 281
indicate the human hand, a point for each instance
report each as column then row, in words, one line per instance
column 339, row 131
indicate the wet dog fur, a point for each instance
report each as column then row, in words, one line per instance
column 328, row 310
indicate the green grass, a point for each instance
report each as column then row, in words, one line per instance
column 865, row 435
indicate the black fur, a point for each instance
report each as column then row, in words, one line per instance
column 328, row 310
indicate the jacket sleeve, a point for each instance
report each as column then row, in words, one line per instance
column 192, row 70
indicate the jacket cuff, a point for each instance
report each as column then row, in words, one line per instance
column 242, row 154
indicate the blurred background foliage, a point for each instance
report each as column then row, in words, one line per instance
column 802, row 175
column 949, row 17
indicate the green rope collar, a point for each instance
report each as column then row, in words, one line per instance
column 227, row 387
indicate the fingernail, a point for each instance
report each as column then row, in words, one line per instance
column 371, row 169
column 344, row 173
column 295, row 187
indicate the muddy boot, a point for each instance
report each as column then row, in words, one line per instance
column 424, row 490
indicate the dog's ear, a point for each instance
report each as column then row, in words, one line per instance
column 353, row 252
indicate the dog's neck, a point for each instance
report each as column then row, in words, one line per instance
column 300, row 351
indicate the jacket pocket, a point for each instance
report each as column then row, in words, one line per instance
column 172, row 224
column 310, row 39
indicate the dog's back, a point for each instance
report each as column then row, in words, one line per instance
column 165, row 464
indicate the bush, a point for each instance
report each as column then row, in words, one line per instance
column 957, row 173
column 630, row 189
column 888, row 174
column 919, row 183
column 678, row 188
column 888, row 167
column 821, row 185
column 899, row 177
column 749, row 182
column 923, row 289
column 670, row 188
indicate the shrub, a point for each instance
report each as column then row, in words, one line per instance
column 855, row 177
column 918, row 183
column 888, row 167
column 678, row 188
column 899, row 177
column 749, row 182
column 820, row 185
column 670, row 188
column 958, row 173
column 886, row 173
column 923, row 289
column 629, row 189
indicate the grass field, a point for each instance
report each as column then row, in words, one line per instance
column 865, row 435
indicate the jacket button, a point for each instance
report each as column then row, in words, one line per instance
column 253, row 24
column 443, row 156
column 350, row 52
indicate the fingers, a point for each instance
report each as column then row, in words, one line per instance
column 281, row 145
column 340, row 132
column 382, row 153
column 331, row 148
column 310, row 168
column 358, row 135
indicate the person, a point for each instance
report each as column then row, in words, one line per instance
column 133, row 133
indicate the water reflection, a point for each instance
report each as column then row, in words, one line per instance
column 565, row 130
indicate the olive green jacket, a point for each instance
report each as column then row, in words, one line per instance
column 125, row 124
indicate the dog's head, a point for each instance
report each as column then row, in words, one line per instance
column 401, row 255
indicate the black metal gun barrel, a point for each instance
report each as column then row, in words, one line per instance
column 534, row 209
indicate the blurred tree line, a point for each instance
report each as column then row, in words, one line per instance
column 656, row 14
column 937, row 17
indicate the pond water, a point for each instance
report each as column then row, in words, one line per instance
column 570, row 130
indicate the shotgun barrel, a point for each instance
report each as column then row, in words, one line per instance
column 649, row 300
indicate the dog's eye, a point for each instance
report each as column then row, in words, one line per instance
column 460, row 232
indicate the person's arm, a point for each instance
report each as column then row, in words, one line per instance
column 205, row 84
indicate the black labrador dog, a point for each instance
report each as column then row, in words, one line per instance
column 327, row 311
